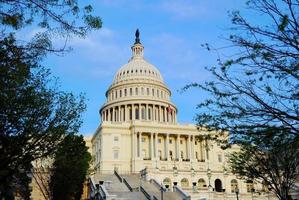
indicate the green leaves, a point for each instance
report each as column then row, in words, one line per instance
column 284, row 21
column 70, row 168
column 253, row 94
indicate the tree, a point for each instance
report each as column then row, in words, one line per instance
column 274, row 163
column 254, row 95
column 69, row 169
column 34, row 115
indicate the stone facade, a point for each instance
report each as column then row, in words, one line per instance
column 139, row 130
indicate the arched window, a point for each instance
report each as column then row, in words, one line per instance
column 249, row 186
column 218, row 185
column 131, row 91
column 167, row 182
column 153, row 92
column 142, row 91
column 120, row 93
column 116, row 94
column 184, row 183
column 125, row 92
column 136, row 91
column 147, row 91
column 201, row 183
column 234, row 185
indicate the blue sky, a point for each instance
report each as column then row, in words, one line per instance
column 172, row 33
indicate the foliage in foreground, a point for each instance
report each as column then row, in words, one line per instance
column 34, row 114
column 69, row 169
column 254, row 95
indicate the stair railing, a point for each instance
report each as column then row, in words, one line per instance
column 182, row 193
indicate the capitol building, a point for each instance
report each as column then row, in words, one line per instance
column 139, row 144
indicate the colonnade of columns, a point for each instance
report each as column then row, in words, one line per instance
column 189, row 147
column 150, row 112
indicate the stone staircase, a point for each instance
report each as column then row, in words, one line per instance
column 127, row 187
column 118, row 190
column 154, row 192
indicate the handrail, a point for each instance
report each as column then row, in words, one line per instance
column 102, row 192
column 92, row 188
column 182, row 193
column 127, row 184
column 158, row 185
column 155, row 198
column 118, row 176
column 147, row 195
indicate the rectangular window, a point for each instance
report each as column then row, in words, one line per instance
column 159, row 140
column 219, row 158
column 181, row 141
column 136, row 91
column 170, row 141
column 115, row 139
column 143, row 139
column 115, row 154
column 149, row 114
column 125, row 92
column 147, row 91
column 131, row 91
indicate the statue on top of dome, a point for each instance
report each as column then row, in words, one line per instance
column 137, row 40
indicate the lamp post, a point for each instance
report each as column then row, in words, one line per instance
column 237, row 193
column 209, row 176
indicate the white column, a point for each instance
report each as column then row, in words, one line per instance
column 108, row 114
column 189, row 147
column 146, row 111
column 139, row 110
column 166, row 146
column 165, row 114
column 133, row 112
column 119, row 113
column 160, row 114
column 178, row 156
column 156, row 145
column 126, row 113
column 152, row 146
column 193, row 147
column 133, row 145
column 113, row 114
column 139, row 149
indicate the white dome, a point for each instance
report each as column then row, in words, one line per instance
column 137, row 68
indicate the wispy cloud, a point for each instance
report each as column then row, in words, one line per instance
column 181, row 60
column 183, row 9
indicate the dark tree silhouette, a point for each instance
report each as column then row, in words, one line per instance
column 254, row 94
